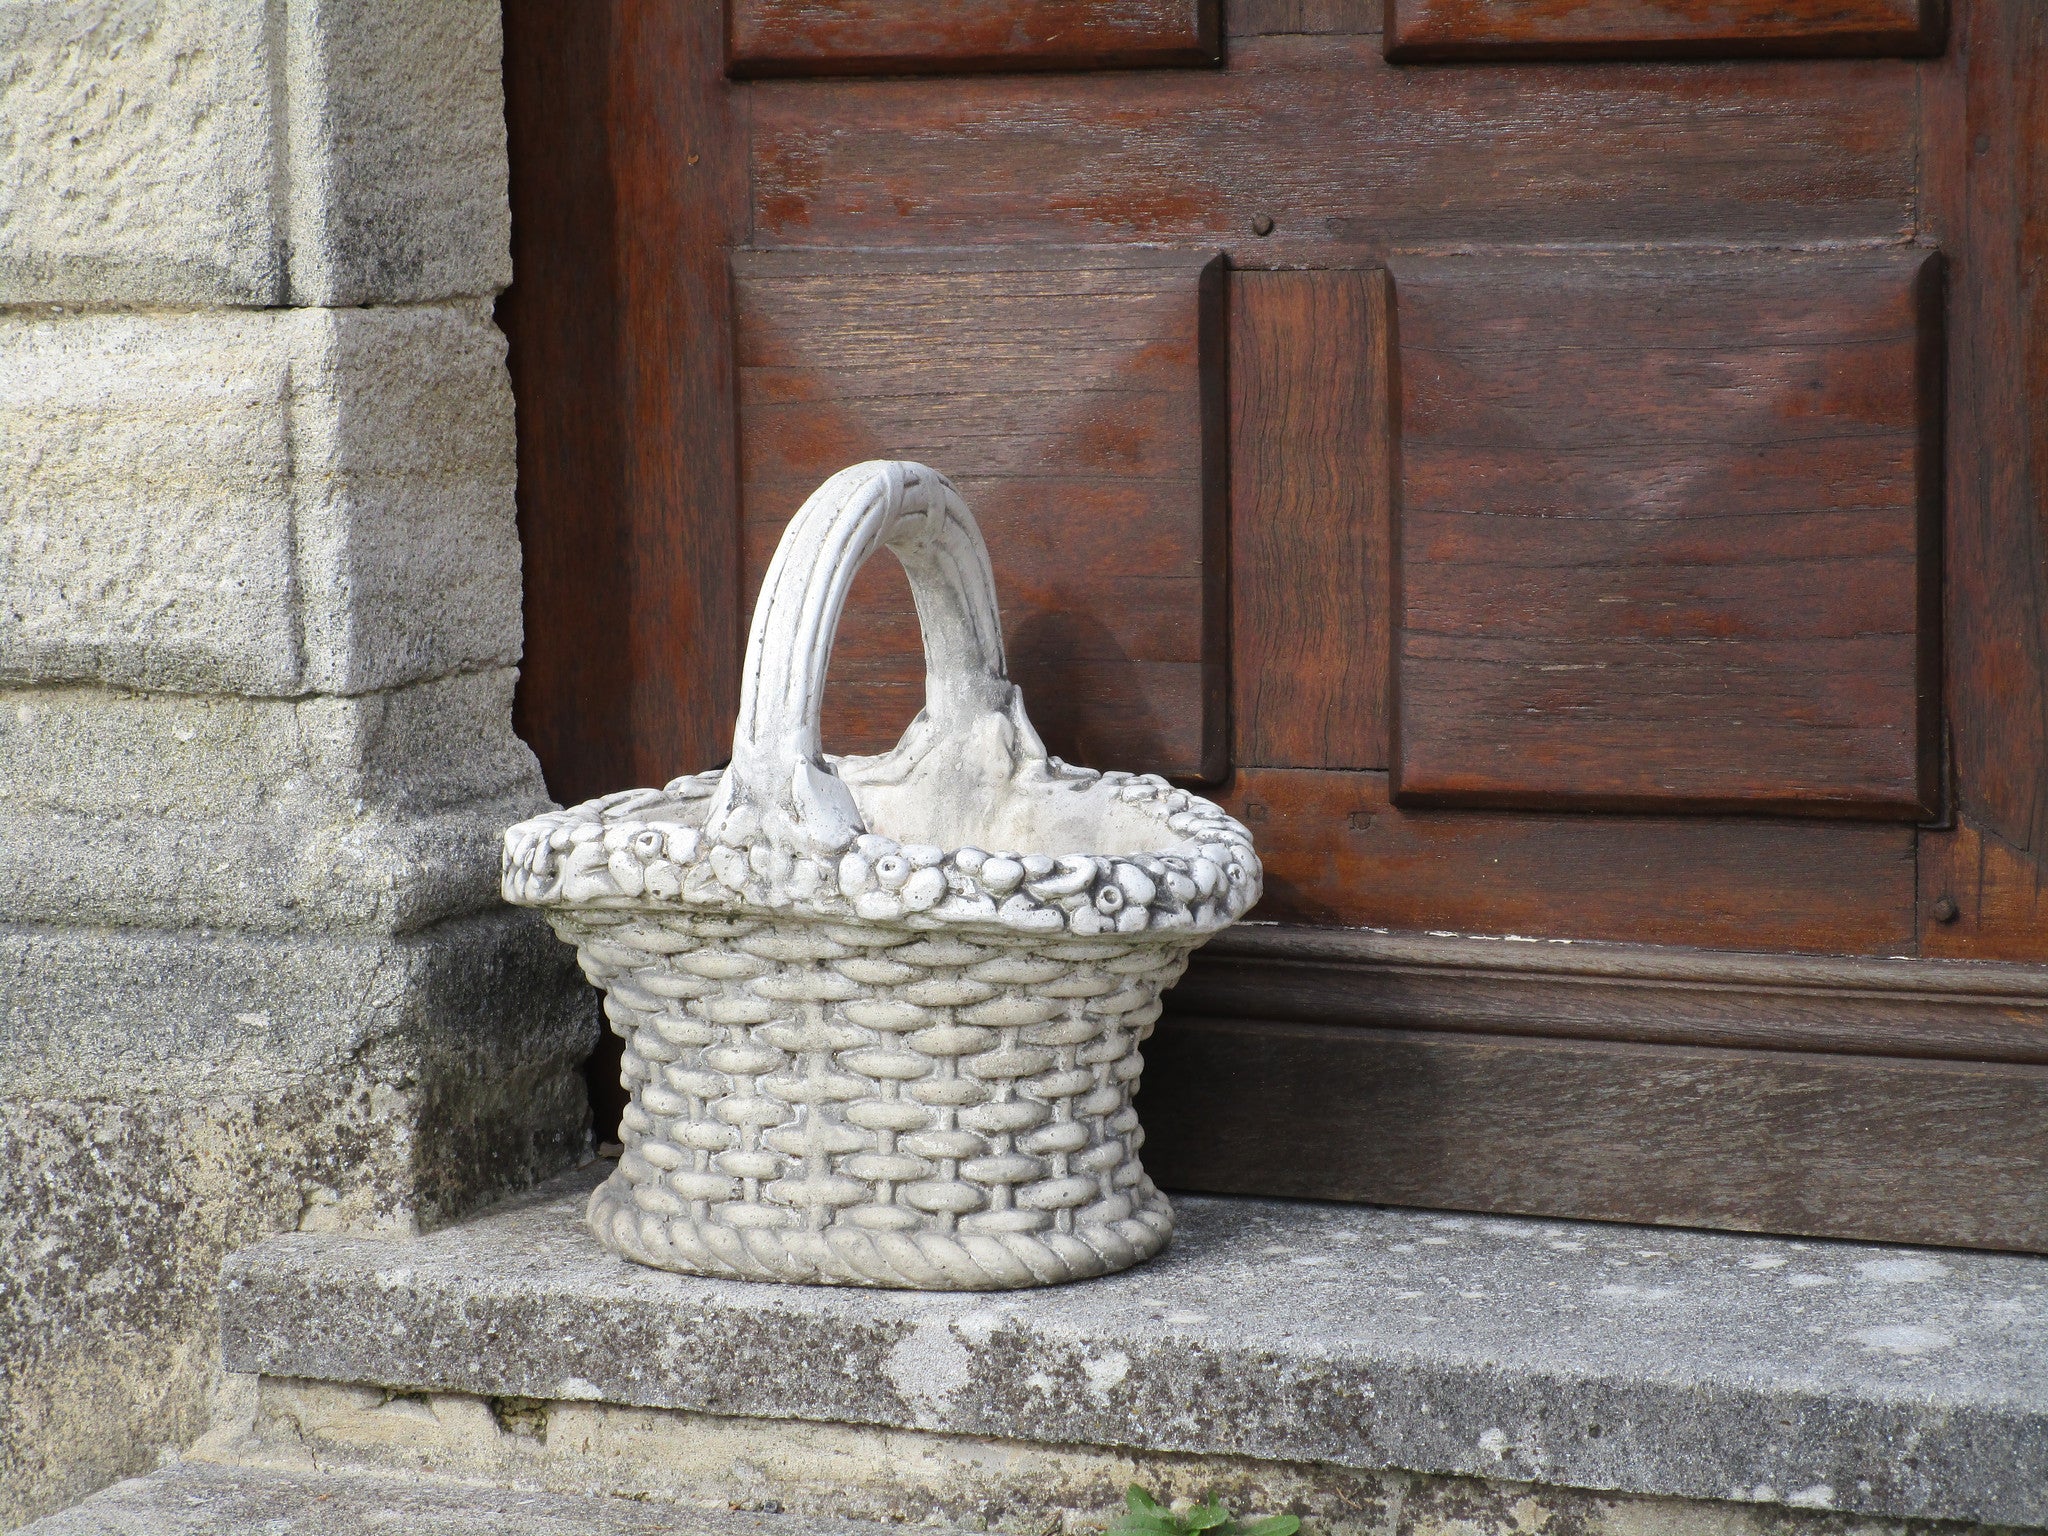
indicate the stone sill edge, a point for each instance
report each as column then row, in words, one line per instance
column 1763, row 1500
column 1844, row 1430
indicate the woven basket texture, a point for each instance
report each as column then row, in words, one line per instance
column 864, row 1105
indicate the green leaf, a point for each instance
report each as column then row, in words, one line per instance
column 1274, row 1525
column 1206, row 1517
column 1141, row 1502
column 1145, row 1523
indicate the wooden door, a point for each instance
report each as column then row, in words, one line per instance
column 1570, row 477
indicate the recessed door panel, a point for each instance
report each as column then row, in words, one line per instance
column 1311, row 493
column 1660, row 29
column 898, row 37
column 1076, row 398
column 1668, row 533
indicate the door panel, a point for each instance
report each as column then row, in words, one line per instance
column 1652, row 330
column 1668, row 532
column 1338, row 852
column 1311, row 486
column 1349, row 155
column 897, row 37
column 1077, row 399
column 1774, row 1141
column 1987, row 202
column 1661, row 29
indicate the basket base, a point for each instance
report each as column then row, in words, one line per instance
column 910, row 1261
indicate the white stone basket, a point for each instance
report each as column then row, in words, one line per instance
column 882, row 1014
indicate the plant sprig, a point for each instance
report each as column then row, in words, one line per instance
column 1146, row 1516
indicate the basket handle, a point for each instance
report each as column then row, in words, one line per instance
column 778, row 783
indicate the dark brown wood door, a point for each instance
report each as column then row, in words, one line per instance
column 1571, row 477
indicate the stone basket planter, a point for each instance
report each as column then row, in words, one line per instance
column 882, row 1014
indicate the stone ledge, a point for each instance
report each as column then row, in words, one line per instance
column 465, row 1014
column 1805, row 1375
column 918, row 1477
column 194, row 1499
column 377, row 813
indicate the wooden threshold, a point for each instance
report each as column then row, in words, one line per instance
column 1960, row 1010
column 1884, row 1100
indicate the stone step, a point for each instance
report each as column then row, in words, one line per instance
column 1317, row 1357
column 200, row 1499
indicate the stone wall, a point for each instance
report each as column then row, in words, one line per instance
column 259, row 619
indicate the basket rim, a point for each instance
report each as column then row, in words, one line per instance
column 635, row 851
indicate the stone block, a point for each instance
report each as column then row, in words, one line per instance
column 137, row 153
column 275, row 502
column 225, row 152
column 1656, row 1363
column 195, row 1499
column 689, row 1462
column 168, row 1097
column 404, row 469
column 146, row 471
column 374, row 813
column 397, row 112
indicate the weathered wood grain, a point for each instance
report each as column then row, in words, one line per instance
column 1892, row 975
column 1257, row 18
column 1077, row 399
column 1660, row 995
column 1311, row 482
column 1775, row 1141
column 1660, row 29
column 629, row 181
column 560, row 317
column 1669, row 532
column 1346, row 153
column 901, row 37
column 1311, row 150
column 1987, row 201
column 1338, row 853
column 679, row 178
column 1980, row 897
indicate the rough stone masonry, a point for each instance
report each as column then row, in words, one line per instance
column 259, row 618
